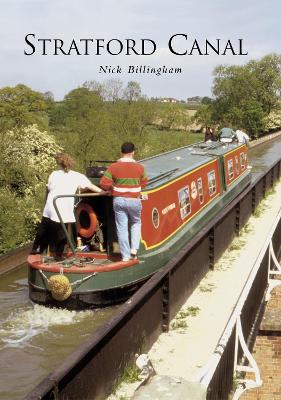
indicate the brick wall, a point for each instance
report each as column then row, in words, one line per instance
column 267, row 352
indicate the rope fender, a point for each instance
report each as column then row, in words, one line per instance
column 59, row 284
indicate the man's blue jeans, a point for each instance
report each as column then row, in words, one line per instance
column 128, row 219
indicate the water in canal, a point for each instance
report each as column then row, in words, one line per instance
column 264, row 155
column 34, row 339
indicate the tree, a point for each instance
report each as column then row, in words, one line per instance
column 128, row 122
column 79, row 123
column 21, row 106
column 132, row 91
column 48, row 96
column 195, row 99
column 245, row 95
column 273, row 121
column 204, row 115
column 267, row 73
column 206, row 100
column 94, row 86
column 112, row 90
column 170, row 115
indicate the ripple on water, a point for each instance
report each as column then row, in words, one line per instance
column 24, row 323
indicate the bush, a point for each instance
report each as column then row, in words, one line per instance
column 26, row 160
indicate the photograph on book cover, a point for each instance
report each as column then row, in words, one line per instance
column 186, row 89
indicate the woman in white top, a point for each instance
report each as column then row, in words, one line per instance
column 63, row 181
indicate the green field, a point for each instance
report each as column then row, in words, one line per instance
column 158, row 141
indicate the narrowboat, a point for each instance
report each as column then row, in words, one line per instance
column 186, row 189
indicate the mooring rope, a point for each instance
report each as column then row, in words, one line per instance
column 83, row 279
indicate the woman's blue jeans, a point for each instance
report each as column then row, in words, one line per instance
column 128, row 221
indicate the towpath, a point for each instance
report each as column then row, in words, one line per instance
column 195, row 331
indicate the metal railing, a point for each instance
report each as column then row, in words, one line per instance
column 239, row 331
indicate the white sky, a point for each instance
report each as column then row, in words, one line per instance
column 257, row 22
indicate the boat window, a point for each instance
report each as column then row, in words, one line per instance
column 155, row 218
column 212, row 182
column 242, row 160
column 237, row 165
column 200, row 190
column 184, row 202
column 230, row 169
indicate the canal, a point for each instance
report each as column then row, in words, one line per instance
column 35, row 339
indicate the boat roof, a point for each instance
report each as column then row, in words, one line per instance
column 166, row 166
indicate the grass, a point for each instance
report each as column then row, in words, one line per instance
column 178, row 324
column 189, row 312
column 261, row 206
column 180, row 319
column 157, row 141
column 246, row 229
column 259, row 210
column 184, row 106
column 237, row 244
column 130, row 375
column 270, row 191
column 209, row 287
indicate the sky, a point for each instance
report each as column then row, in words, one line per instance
column 254, row 21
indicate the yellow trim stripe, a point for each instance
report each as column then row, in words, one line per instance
column 179, row 178
column 232, row 151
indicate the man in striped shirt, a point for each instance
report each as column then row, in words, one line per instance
column 125, row 178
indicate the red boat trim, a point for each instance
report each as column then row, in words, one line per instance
column 35, row 262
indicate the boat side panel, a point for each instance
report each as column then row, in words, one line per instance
column 169, row 207
column 235, row 164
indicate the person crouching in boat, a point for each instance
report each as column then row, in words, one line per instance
column 125, row 178
column 63, row 181
column 242, row 137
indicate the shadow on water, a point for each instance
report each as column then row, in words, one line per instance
column 34, row 339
